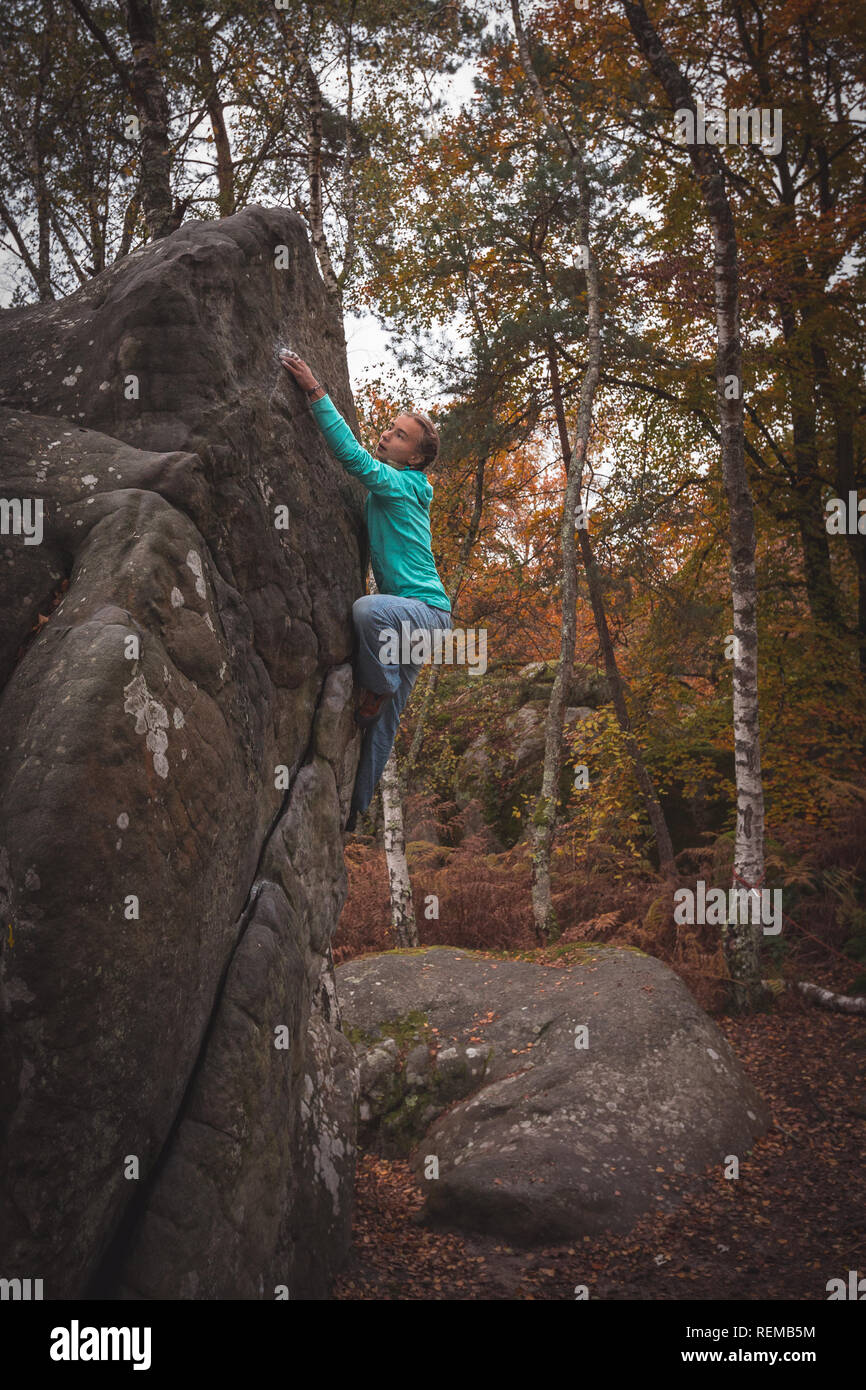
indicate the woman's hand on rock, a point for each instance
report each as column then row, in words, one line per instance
column 299, row 370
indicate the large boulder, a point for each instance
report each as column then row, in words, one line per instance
column 177, row 755
column 406, row 1080
column 582, row 1087
column 586, row 686
column 500, row 773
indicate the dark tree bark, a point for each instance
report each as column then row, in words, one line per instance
column 147, row 89
column 805, row 480
column 36, row 159
column 225, row 167
column 843, row 407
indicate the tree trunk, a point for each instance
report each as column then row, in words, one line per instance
column 593, row 579
column 36, row 158
column 815, row 544
column 828, row 999
column 130, row 217
column 399, row 883
column 95, row 214
column 846, row 482
column 225, row 167
column 147, row 90
column 740, row 939
column 144, row 87
column 315, row 210
column 402, row 907
column 544, row 813
column 14, row 231
column 843, row 405
column 806, row 479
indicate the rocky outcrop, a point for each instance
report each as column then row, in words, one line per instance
column 177, row 754
column 498, row 774
column 517, row 747
column 592, row 1084
column 586, row 686
column 406, row 1081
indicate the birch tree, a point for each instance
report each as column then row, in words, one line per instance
column 740, row 939
column 399, row 883
column 453, row 590
column 143, row 82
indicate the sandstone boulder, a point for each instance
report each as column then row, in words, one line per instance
column 177, row 754
column 596, row 1082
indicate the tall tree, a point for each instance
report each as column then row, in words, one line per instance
column 741, row 938
column 544, row 815
column 143, row 81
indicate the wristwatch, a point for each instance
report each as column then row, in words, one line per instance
column 313, row 389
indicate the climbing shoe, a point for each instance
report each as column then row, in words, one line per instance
column 368, row 707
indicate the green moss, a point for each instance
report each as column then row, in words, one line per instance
column 577, row 950
column 409, row 1028
column 404, row 1117
column 405, row 951
column 569, row 952
column 356, row 1036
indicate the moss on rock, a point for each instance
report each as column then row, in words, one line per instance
column 412, row 1027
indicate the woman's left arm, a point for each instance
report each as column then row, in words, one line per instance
column 379, row 477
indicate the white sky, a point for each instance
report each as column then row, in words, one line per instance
column 369, row 348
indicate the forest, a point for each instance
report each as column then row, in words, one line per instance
column 616, row 249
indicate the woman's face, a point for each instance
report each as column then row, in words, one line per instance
column 399, row 444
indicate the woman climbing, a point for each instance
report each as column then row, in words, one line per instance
column 397, row 514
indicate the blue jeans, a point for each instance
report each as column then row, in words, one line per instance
column 371, row 615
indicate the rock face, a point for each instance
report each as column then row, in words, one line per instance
column 498, row 774
column 405, row 1082
column 594, row 1083
column 177, row 755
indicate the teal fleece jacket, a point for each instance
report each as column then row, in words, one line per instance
column 397, row 514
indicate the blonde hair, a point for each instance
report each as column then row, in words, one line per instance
column 429, row 443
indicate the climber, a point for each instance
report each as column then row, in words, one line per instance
column 397, row 513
